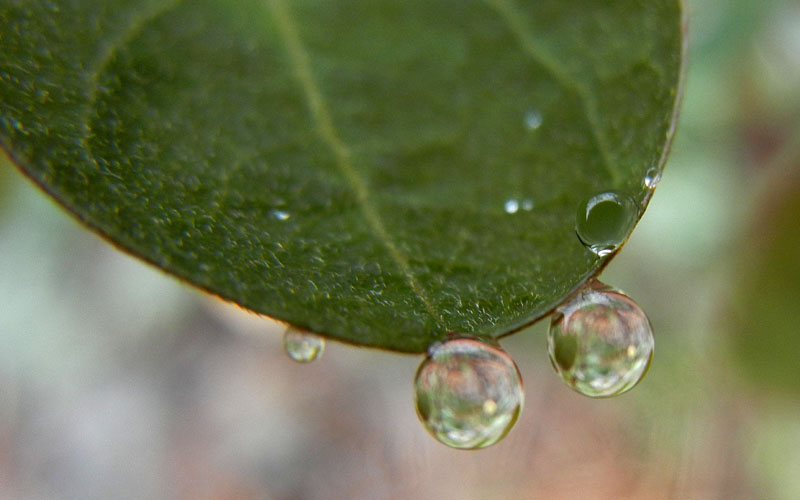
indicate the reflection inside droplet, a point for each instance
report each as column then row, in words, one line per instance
column 302, row 346
column 604, row 221
column 468, row 394
column 600, row 342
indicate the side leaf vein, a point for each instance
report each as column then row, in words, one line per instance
column 516, row 24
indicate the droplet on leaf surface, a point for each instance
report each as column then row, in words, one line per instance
column 600, row 342
column 302, row 346
column 604, row 221
column 533, row 119
column 468, row 394
column 527, row 204
column 511, row 206
column 652, row 177
column 280, row 214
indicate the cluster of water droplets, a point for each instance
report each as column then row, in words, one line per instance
column 514, row 205
column 468, row 391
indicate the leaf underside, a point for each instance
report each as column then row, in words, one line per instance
column 348, row 166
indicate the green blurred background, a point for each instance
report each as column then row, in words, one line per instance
column 116, row 381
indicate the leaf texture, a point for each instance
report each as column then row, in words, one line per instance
column 380, row 172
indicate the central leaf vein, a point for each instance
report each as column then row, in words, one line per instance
column 326, row 130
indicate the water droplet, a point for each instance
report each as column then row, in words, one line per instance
column 511, row 206
column 600, row 342
column 533, row 119
column 652, row 177
column 302, row 346
column 527, row 204
column 279, row 214
column 468, row 394
column 604, row 221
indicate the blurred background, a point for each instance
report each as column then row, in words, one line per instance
column 116, row 381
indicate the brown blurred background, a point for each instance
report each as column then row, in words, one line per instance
column 118, row 382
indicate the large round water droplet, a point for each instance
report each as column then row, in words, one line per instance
column 604, row 221
column 302, row 346
column 600, row 342
column 468, row 394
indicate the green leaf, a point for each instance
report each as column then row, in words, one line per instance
column 347, row 166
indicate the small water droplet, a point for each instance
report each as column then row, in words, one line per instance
column 468, row 394
column 527, row 204
column 604, row 221
column 280, row 214
column 511, row 206
column 302, row 346
column 533, row 119
column 600, row 342
column 652, row 177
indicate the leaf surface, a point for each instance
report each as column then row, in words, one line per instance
column 380, row 172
